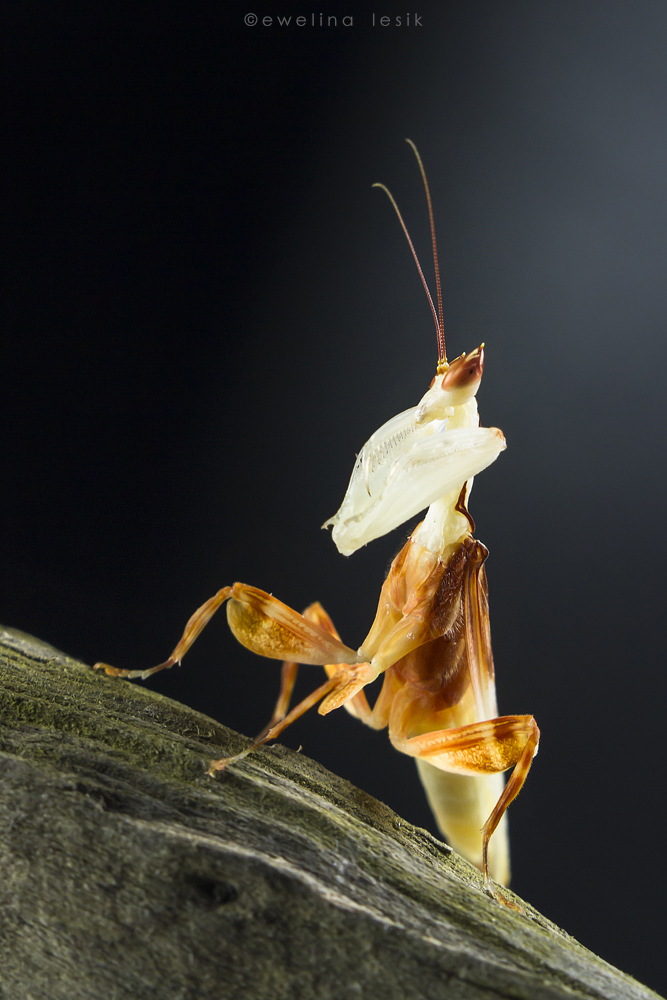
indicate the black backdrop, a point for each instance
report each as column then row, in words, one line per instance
column 207, row 310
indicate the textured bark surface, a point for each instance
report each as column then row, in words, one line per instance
column 127, row 873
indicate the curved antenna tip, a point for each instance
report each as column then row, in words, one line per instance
column 440, row 324
column 438, row 327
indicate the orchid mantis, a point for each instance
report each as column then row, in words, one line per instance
column 430, row 639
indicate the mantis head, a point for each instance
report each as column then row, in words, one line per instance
column 453, row 387
column 423, row 454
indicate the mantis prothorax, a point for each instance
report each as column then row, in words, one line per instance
column 430, row 638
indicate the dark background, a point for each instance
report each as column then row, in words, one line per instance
column 207, row 311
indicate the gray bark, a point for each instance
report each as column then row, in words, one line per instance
column 127, row 873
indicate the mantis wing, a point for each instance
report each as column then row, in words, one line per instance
column 478, row 633
column 462, row 803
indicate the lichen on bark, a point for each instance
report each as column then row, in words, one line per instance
column 128, row 873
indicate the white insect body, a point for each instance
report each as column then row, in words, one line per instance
column 430, row 638
column 429, row 455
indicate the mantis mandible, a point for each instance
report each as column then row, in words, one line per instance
column 430, row 637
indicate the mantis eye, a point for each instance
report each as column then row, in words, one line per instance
column 465, row 371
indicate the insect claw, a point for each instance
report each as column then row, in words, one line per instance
column 108, row 669
column 352, row 680
column 217, row 765
column 119, row 672
column 221, row 764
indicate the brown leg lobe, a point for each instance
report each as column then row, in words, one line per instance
column 482, row 748
column 510, row 792
column 270, row 628
column 260, row 622
column 316, row 614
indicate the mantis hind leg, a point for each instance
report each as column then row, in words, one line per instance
column 340, row 676
column 195, row 625
column 482, row 748
column 270, row 628
column 461, row 805
column 260, row 622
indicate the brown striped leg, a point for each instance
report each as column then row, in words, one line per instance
column 348, row 677
column 511, row 790
column 196, row 623
column 273, row 732
column 263, row 624
column 482, row 748
column 357, row 706
column 287, row 680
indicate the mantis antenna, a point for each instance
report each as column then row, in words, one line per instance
column 437, row 317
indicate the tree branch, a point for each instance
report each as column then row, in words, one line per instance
column 127, row 873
